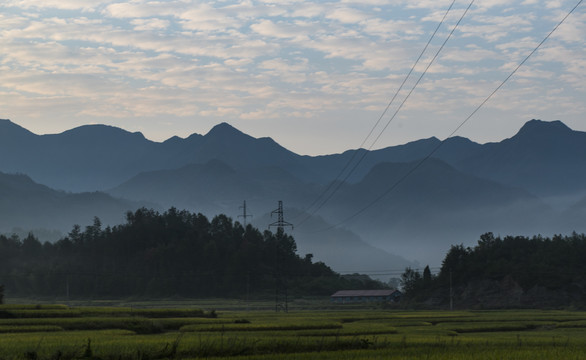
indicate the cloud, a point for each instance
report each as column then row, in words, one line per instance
column 142, row 9
column 207, row 18
column 572, row 30
column 150, row 24
column 347, row 15
column 495, row 28
column 285, row 70
column 554, row 4
column 281, row 30
column 469, row 54
column 308, row 10
column 389, row 29
column 84, row 5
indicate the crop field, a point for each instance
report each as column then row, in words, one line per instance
column 36, row 332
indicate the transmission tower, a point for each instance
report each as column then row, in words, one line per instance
column 245, row 244
column 280, row 223
column 244, row 215
column 281, row 301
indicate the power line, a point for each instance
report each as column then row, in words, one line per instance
column 339, row 184
column 376, row 124
column 434, row 150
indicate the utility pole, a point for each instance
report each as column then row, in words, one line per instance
column 67, row 288
column 247, row 290
column 244, row 215
column 281, row 301
column 451, row 293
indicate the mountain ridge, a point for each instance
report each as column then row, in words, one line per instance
column 546, row 158
column 463, row 190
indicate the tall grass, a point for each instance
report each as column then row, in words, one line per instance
column 123, row 333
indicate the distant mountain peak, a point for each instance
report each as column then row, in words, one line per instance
column 174, row 139
column 543, row 128
column 7, row 125
column 224, row 129
column 101, row 130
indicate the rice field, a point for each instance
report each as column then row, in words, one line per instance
column 37, row 332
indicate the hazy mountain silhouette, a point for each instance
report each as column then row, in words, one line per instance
column 435, row 198
column 463, row 190
column 27, row 205
column 87, row 158
column 229, row 145
column 215, row 187
column 98, row 157
column 574, row 214
column 435, row 204
column 546, row 158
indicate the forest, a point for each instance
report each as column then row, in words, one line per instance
column 175, row 253
column 513, row 271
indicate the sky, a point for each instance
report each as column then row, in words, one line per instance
column 315, row 76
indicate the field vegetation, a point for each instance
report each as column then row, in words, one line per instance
column 60, row 332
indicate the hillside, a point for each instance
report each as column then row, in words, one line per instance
column 545, row 158
column 434, row 207
column 28, row 205
column 216, row 187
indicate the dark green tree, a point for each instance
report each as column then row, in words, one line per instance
column 31, row 246
column 410, row 281
column 427, row 277
column 175, row 253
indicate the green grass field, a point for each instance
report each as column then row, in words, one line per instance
column 36, row 332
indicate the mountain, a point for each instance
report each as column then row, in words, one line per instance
column 99, row 157
column 27, row 205
column 88, row 158
column 574, row 214
column 452, row 151
column 406, row 206
column 215, row 187
column 391, row 201
column 103, row 151
column 229, row 145
column 546, row 158
column 430, row 198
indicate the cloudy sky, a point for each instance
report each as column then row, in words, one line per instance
column 314, row 76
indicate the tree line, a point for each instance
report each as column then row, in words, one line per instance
column 175, row 253
column 543, row 271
